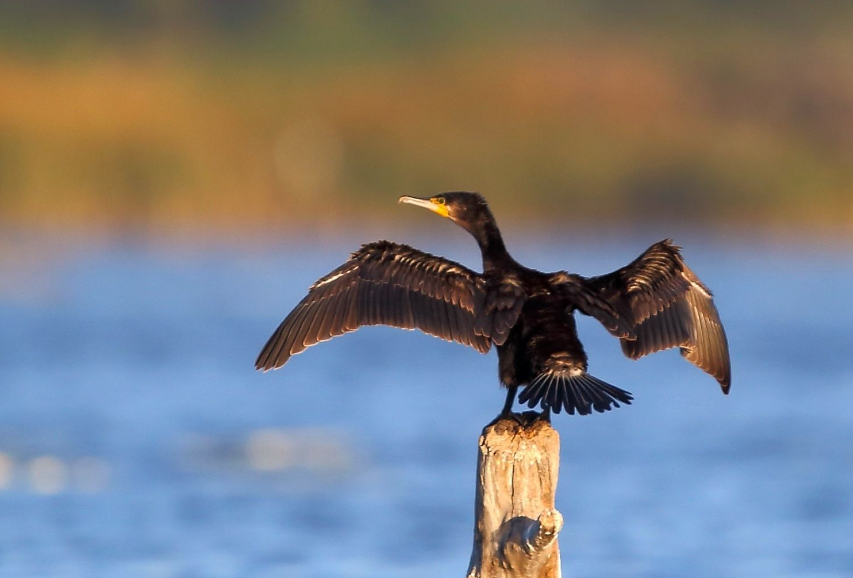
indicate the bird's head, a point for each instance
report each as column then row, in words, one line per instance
column 468, row 210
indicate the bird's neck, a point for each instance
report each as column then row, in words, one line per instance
column 495, row 255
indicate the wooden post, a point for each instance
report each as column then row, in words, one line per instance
column 516, row 525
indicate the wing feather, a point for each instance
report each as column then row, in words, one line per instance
column 712, row 353
column 667, row 306
column 389, row 284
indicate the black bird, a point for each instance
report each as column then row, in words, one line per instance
column 654, row 303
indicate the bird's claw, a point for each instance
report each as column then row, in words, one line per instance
column 524, row 419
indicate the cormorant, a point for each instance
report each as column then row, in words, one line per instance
column 654, row 303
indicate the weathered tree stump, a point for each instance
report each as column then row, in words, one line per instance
column 516, row 525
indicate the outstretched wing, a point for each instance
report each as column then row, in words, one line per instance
column 668, row 306
column 384, row 283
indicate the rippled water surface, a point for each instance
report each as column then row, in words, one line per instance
column 136, row 440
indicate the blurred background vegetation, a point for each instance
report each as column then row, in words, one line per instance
column 165, row 116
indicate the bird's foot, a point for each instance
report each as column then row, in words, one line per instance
column 524, row 419
column 505, row 416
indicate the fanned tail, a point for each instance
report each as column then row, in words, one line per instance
column 574, row 393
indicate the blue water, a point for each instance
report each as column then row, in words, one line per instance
column 136, row 439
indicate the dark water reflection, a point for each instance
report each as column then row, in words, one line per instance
column 136, row 440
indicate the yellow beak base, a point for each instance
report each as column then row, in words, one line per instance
column 432, row 205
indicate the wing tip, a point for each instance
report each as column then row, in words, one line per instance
column 264, row 364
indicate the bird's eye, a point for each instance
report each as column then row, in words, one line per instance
column 438, row 200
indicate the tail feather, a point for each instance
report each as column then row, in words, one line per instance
column 600, row 401
column 536, row 389
column 553, row 395
column 585, row 396
column 574, row 393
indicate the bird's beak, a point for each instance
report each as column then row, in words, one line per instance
column 426, row 204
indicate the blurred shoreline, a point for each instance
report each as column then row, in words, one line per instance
column 157, row 118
